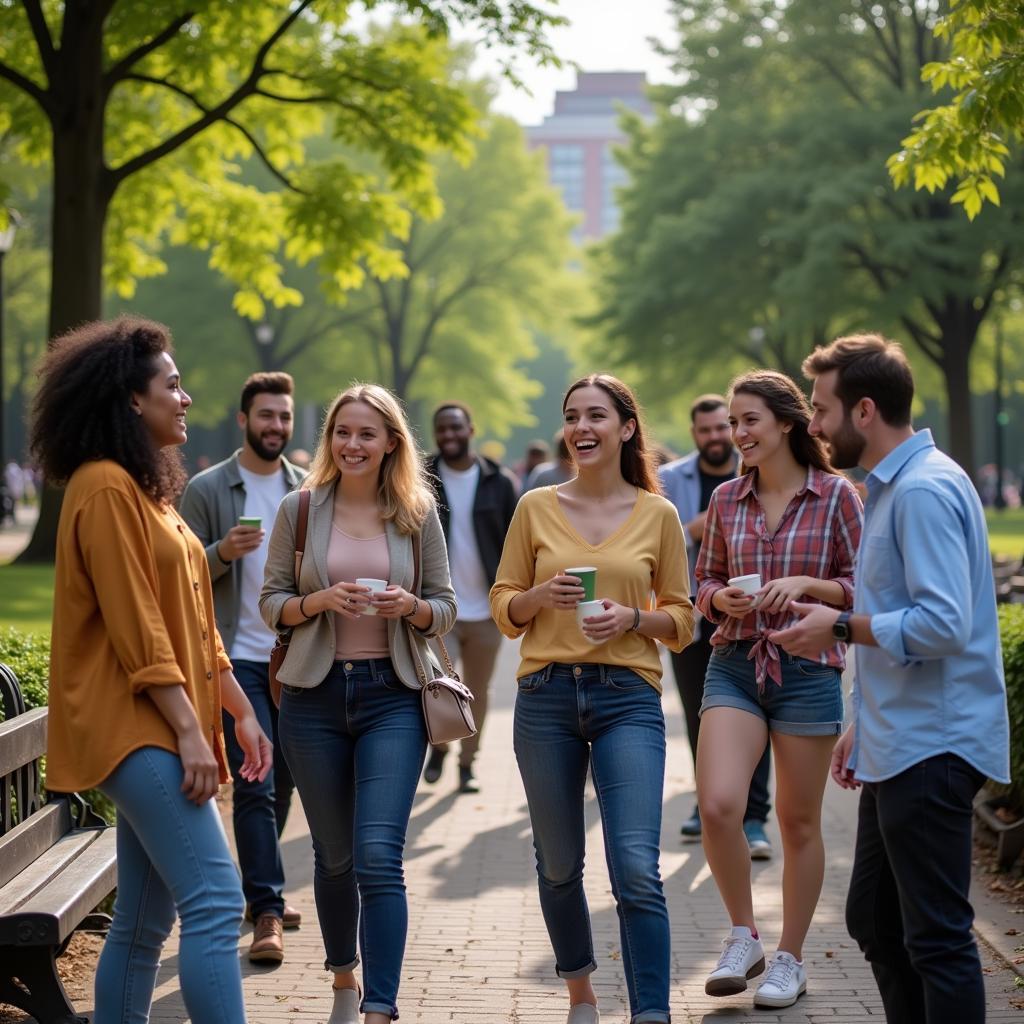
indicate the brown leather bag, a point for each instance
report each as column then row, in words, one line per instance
column 280, row 648
column 446, row 699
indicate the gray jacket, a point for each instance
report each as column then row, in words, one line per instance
column 311, row 651
column 211, row 505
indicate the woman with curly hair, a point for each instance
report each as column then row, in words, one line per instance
column 138, row 675
column 351, row 726
column 590, row 694
column 793, row 521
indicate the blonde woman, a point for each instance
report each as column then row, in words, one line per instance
column 351, row 726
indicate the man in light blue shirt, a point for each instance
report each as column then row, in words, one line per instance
column 929, row 703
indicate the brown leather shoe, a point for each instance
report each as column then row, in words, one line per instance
column 292, row 917
column 267, row 940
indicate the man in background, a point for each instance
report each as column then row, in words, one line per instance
column 250, row 485
column 476, row 499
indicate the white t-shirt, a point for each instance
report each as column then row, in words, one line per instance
column 263, row 495
column 468, row 577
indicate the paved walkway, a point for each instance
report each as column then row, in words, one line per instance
column 478, row 952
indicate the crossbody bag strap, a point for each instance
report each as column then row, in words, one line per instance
column 301, row 527
column 417, row 557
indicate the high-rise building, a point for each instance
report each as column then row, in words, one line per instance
column 580, row 137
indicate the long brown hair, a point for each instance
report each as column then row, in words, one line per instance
column 788, row 404
column 637, row 461
column 403, row 492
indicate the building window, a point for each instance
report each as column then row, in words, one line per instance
column 567, row 172
column 613, row 177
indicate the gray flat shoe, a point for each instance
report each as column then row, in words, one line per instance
column 346, row 1007
column 583, row 1013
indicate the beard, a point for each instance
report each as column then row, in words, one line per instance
column 846, row 447
column 262, row 449
column 717, row 453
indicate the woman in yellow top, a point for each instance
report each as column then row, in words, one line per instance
column 138, row 674
column 589, row 693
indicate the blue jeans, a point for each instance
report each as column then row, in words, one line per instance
column 172, row 857
column 908, row 907
column 607, row 718
column 260, row 809
column 355, row 745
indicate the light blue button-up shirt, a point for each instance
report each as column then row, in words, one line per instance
column 934, row 684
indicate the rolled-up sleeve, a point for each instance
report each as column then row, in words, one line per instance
column 849, row 522
column 515, row 571
column 436, row 588
column 672, row 581
column 936, row 622
column 124, row 577
column 279, row 583
column 712, row 563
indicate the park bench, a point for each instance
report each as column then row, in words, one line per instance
column 57, row 863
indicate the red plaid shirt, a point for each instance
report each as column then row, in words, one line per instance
column 817, row 536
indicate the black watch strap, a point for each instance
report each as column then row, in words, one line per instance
column 841, row 627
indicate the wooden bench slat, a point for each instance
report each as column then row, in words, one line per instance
column 22, row 740
column 31, row 838
column 38, row 875
column 50, row 916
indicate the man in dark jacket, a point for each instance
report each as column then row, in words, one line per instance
column 475, row 500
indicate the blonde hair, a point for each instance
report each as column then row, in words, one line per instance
column 404, row 494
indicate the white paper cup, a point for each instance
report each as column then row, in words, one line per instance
column 748, row 584
column 376, row 586
column 587, row 610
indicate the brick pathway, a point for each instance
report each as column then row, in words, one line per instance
column 478, row 952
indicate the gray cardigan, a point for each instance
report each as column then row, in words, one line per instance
column 311, row 651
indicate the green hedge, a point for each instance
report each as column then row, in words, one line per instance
column 1011, row 630
column 28, row 656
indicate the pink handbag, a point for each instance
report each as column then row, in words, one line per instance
column 446, row 699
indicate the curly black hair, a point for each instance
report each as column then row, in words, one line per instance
column 82, row 409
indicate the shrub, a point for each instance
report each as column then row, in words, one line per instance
column 28, row 656
column 1011, row 630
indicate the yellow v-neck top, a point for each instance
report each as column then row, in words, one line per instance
column 642, row 564
column 132, row 608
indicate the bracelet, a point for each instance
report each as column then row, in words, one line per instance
column 636, row 621
column 415, row 608
column 302, row 611
column 220, row 557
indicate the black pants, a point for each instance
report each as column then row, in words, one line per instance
column 907, row 907
column 689, row 668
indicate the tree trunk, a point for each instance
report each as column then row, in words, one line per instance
column 82, row 190
column 957, row 342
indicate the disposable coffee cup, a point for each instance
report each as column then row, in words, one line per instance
column 588, row 578
column 587, row 610
column 256, row 521
column 748, row 584
column 377, row 586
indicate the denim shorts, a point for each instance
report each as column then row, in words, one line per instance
column 809, row 702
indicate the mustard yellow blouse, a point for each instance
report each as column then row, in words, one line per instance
column 642, row 564
column 133, row 608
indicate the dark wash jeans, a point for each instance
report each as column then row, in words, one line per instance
column 259, row 809
column 907, row 907
column 689, row 666
column 356, row 744
column 607, row 718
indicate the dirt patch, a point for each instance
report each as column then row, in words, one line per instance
column 77, row 968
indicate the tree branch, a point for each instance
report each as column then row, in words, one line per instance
column 27, row 86
column 123, row 66
column 847, row 85
column 237, row 125
column 927, row 342
column 44, row 41
column 217, row 113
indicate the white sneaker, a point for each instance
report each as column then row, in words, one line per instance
column 742, row 958
column 784, row 984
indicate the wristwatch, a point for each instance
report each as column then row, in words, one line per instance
column 841, row 627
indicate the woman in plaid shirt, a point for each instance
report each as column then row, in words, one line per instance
column 791, row 519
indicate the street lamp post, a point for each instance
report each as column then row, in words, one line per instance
column 1000, row 418
column 6, row 241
